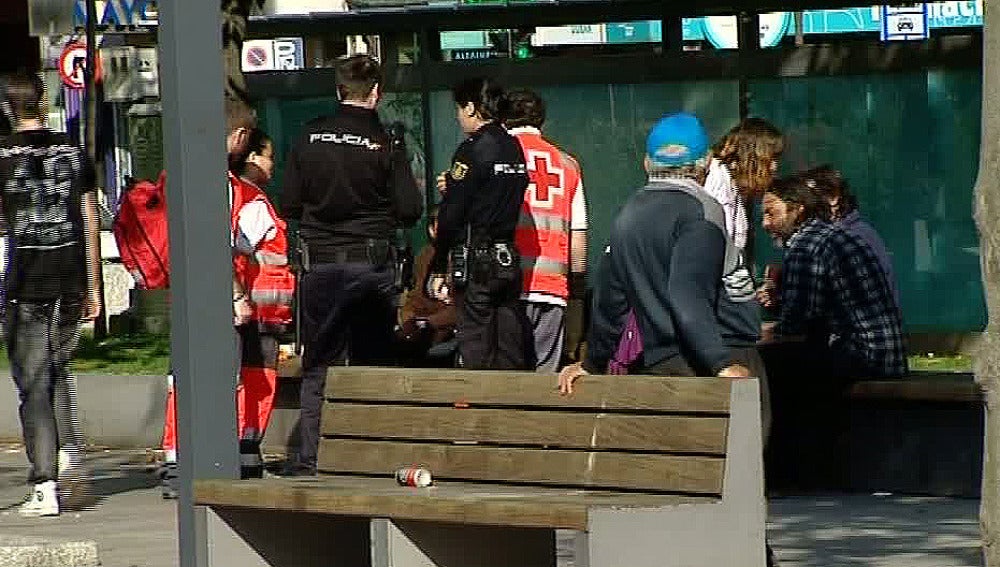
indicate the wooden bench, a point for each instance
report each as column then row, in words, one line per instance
column 957, row 387
column 645, row 471
column 922, row 434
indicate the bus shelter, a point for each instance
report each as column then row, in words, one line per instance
column 749, row 78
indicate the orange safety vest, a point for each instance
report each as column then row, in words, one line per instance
column 266, row 277
column 542, row 234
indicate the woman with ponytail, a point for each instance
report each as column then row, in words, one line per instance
column 482, row 195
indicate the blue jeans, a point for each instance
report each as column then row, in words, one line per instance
column 41, row 338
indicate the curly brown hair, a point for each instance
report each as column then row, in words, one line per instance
column 830, row 184
column 749, row 151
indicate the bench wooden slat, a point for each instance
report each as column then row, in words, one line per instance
column 451, row 502
column 485, row 388
column 649, row 472
column 958, row 388
column 574, row 430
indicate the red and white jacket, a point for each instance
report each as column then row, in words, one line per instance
column 263, row 269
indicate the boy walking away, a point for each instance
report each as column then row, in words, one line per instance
column 49, row 203
column 551, row 234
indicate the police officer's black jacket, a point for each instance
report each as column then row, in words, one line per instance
column 485, row 189
column 345, row 184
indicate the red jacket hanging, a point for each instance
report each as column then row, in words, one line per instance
column 140, row 230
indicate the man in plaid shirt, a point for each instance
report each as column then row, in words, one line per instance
column 833, row 289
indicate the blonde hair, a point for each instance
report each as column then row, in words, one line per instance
column 748, row 151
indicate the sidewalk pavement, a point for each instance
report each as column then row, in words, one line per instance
column 134, row 527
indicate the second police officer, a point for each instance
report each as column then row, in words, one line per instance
column 349, row 186
column 483, row 191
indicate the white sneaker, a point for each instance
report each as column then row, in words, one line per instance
column 42, row 501
column 70, row 464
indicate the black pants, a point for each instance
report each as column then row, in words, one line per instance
column 41, row 338
column 811, row 418
column 348, row 311
column 493, row 328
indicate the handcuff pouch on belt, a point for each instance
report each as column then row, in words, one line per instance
column 505, row 263
column 495, row 264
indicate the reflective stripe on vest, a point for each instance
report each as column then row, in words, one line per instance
column 270, row 258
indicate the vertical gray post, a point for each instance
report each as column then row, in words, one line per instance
column 202, row 340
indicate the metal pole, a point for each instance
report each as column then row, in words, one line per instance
column 748, row 45
column 203, row 343
column 90, row 141
column 749, row 48
column 430, row 176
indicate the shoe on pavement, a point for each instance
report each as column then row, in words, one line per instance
column 43, row 501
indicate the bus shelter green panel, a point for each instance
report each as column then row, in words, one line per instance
column 908, row 144
column 284, row 119
column 605, row 127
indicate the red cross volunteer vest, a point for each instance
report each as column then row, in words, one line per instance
column 543, row 231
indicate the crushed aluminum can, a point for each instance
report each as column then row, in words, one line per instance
column 414, row 476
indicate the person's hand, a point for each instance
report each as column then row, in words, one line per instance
column 438, row 288
column 570, row 374
column 767, row 331
column 766, row 295
column 734, row 371
column 242, row 310
column 91, row 305
column 442, row 183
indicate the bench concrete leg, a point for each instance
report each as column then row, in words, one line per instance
column 428, row 544
column 270, row 538
column 729, row 532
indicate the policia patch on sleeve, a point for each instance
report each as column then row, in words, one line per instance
column 459, row 170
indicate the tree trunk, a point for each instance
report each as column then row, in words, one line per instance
column 235, row 14
column 987, row 213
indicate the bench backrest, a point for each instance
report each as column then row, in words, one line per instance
column 645, row 434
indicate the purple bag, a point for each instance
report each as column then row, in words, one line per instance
column 629, row 348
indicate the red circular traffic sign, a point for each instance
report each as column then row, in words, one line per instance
column 73, row 63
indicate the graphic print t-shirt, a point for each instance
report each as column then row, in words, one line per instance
column 42, row 179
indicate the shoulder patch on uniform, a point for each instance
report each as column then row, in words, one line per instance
column 459, row 170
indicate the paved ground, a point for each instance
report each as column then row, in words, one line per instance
column 133, row 527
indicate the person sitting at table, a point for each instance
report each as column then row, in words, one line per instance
column 834, row 292
column 834, row 189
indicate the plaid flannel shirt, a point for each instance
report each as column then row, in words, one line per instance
column 833, row 287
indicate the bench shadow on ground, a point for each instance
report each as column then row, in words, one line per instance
column 869, row 531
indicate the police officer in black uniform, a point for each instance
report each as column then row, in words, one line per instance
column 483, row 191
column 349, row 187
